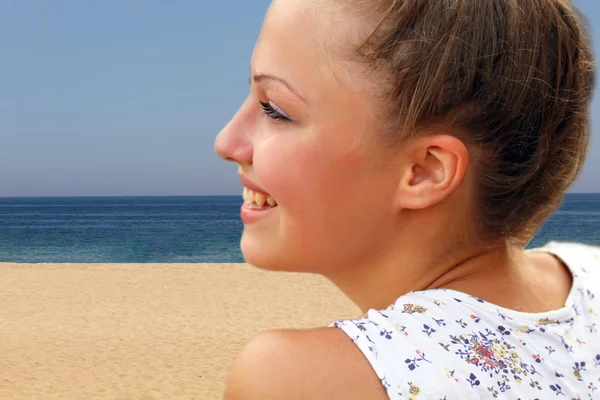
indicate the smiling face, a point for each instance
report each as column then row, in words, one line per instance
column 378, row 220
column 309, row 141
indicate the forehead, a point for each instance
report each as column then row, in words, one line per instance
column 291, row 42
column 316, row 37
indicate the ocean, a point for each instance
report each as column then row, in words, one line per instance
column 180, row 229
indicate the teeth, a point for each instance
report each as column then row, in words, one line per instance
column 258, row 199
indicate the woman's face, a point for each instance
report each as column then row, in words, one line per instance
column 306, row 137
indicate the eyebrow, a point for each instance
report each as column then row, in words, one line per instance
column 265, row 77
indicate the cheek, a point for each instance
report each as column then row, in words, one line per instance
column 312, row 177
column 289, row 169
column 326, row 193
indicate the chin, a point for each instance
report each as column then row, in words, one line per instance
column 256, row 253
column 264, row 254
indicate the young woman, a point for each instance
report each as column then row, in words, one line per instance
column 408, row 150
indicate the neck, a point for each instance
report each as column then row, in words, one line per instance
column 378, row 283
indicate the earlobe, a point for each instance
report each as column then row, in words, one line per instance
column 438, row 166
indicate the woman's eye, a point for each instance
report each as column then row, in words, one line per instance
column 275, row 113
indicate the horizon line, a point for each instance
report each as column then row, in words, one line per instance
column 170, row 195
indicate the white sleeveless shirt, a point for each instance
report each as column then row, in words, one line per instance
column 444, row 344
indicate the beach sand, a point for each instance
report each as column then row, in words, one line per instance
column 144, row 331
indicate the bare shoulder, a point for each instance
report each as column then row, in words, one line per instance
column 311, row 364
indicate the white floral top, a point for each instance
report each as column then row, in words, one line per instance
column 444, row 344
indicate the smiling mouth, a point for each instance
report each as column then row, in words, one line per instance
column 258, row 200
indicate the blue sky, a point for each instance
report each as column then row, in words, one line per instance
column 126, row 96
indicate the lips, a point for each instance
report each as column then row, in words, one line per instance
column 255, row 197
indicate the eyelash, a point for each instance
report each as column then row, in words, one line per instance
column 272, row 113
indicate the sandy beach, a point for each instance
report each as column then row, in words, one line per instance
column 143, row 331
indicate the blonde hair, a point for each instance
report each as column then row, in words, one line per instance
column 515, row 75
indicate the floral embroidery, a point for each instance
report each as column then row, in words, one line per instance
column 450, row 374
column 412, row 308
column 414, row 362
column 592, row 328
column 462, row 344
column 535, row 384
column 428, row 330
column 579, row 366
column 491, row 354
column 473, row 380
column 461, row 323
column 413, row 390
column 557, row 389
column 546, row 321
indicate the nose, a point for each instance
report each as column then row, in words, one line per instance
column 233, row 143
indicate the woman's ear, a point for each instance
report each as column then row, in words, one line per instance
column 436, row 168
